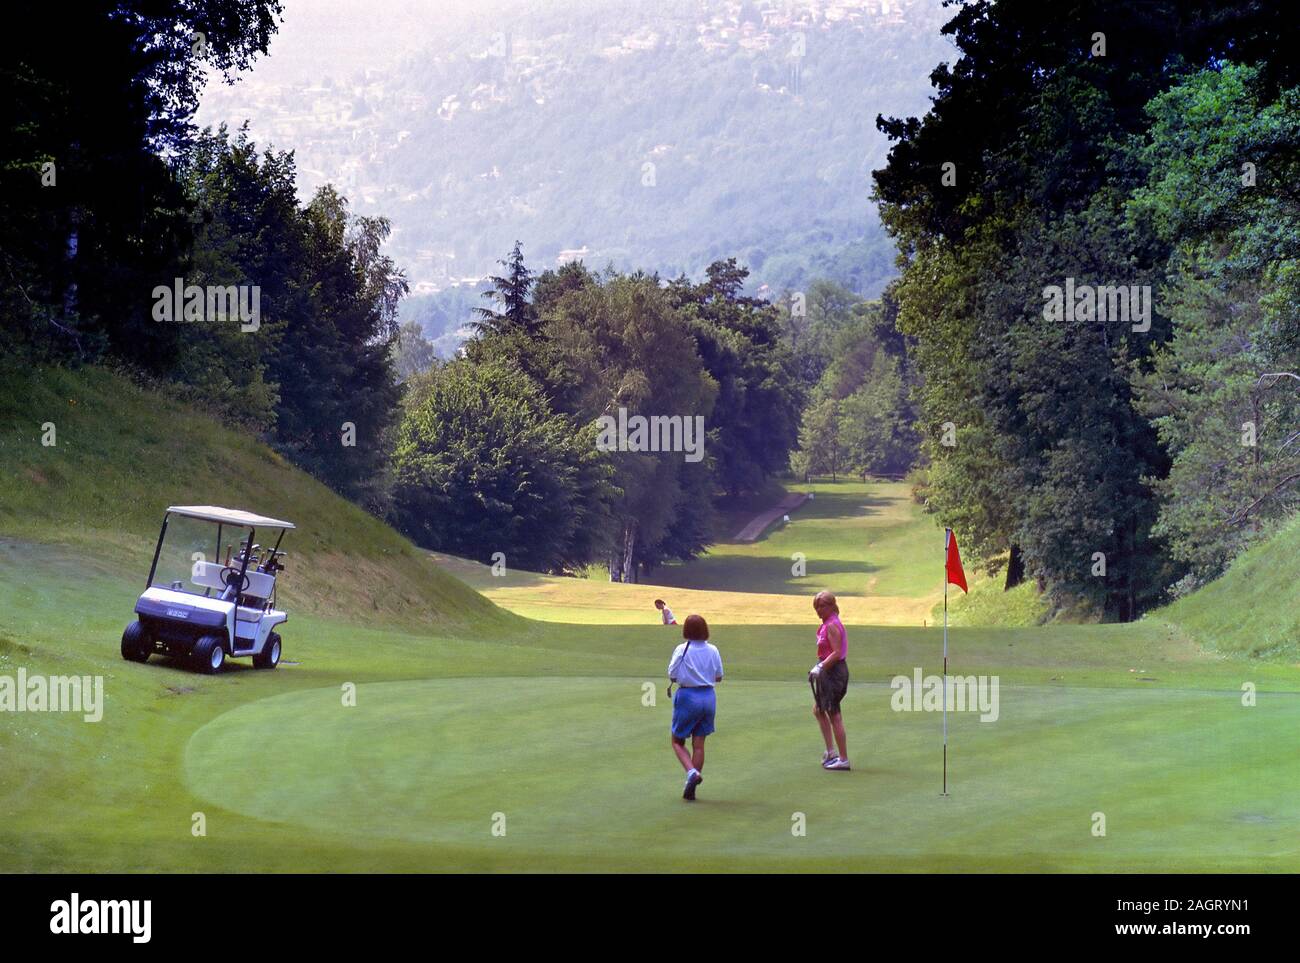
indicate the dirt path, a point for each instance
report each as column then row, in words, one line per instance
column 759, row 523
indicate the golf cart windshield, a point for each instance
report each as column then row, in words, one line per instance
column 205, row 550
column 190, row 549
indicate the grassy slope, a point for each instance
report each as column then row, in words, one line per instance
column 475, row 711
column 124, row 454
column 988, row 603
column 1254, row 608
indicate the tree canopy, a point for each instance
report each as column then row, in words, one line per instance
column 1052, row 158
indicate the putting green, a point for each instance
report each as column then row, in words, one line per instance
column 580, row 768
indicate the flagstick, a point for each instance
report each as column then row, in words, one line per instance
column 946, row 538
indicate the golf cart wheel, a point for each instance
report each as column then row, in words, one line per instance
column 269, row 657
column 136, row 645
column 209, row 654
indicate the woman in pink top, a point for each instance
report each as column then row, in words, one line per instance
column 830, row 681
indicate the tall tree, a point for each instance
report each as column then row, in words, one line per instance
column 1015, row 181
column 90, row 217
column 627, row 347
column 871, row 377
column 510, row 291
column 412, row 351
column 811, row 320
column 1222, row 162
column 333, row 365
column 483, row 466
column 315, row 373
column 821, row 443
column 755, row 418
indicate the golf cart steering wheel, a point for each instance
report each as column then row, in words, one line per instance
column 229, row 576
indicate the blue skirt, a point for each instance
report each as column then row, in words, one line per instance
column 693, row 711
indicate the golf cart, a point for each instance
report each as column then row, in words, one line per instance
column 202, row 610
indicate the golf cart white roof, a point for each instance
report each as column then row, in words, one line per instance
column 227, row 516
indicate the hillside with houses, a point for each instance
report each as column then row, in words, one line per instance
column 601, row 132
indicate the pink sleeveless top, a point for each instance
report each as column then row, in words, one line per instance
column 824, row 645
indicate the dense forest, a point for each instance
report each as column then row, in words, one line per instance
column 1099, row 145
column 820, row 383
column 499, row 447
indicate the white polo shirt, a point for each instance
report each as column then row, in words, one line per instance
column 701, row 664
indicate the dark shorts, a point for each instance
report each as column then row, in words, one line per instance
column 693, row 711
column 830, row 688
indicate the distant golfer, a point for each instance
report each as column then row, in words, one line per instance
column 696, row 666
column 830, row 681
column 666, row 612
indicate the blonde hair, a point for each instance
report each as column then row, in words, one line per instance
column 828, row 599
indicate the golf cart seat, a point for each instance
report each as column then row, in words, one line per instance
column 208, row 575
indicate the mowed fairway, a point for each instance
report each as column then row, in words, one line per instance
column 544, row 729
column 867, row 542
column 859, row 539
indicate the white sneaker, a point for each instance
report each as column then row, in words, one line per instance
column 838, row 764
column 693, row 779
column 829, row 756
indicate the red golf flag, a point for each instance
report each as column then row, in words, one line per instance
column 956, row 575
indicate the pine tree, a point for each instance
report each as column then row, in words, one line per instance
column 511, row 292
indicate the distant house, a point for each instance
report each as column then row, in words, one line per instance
column 646, row 40
column 572, row 254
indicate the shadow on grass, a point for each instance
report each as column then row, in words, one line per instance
column 842, row 506
column 479, row 575
column 824, row 506
column 770, row 575
column 763, row 575
column 185, row 667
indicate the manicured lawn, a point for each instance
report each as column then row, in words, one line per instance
column 428, row 763
column 465, row 710
column 546, row 725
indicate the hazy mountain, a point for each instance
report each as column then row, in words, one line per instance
column 655, row 135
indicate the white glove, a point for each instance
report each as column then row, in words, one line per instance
column 815, row 672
